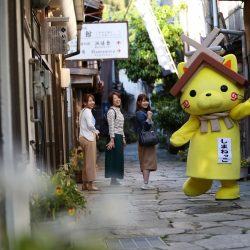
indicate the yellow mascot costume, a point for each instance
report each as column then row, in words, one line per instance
column 212, row 92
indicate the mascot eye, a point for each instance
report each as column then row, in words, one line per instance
column 224, row 88
column 192, row 93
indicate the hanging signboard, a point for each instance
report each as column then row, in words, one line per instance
column 54, row 37
column 101, row 41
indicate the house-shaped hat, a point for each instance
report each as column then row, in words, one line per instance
column 203, row 59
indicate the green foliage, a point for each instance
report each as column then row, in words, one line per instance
column 46, row 241
column 183, row 154
column 244, row 163
column 59, row 194
column 129, row 129
column 115, row 5
column 162, row 141
column 142, row 63
column 76, row 159
column 169, row 116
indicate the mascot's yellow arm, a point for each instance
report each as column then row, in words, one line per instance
column 240, row 111
column 185, row 133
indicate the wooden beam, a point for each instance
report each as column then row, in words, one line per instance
column 201, row 49
column 83, row 71
column 82, row 80
column 247, row 25
column 212, row 39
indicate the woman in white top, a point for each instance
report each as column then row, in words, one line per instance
column 87, row 140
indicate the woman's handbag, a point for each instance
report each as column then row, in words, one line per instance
column 148, row 138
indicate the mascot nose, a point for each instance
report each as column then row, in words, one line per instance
column 208, row 94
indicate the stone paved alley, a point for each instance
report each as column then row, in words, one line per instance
column 118, row 217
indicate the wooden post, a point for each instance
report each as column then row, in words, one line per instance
column 247, row 33
column 247, row 25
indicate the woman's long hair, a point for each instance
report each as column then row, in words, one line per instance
column 140, row 98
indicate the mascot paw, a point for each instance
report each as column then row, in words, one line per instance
column 171, row 145
column 195, row 186
column 172, row 149
column 228, row 192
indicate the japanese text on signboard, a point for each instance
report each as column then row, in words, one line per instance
column 102, row 41
column 224, row 150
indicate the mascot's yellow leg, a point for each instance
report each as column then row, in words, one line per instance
column 196, row 186
column 229, row 190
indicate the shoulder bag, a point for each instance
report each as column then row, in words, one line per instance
column 148, row 138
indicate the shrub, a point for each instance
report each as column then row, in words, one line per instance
column 59, row 194
column 129, row 129
column 244, row 163
column 76, row 159
column 162, row 141
column 76, row 162
column 169, row 115
column 183, row 154
column 49, row 241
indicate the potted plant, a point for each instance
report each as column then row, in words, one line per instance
column 58, row 195
column 76, row 161
column 244, row 168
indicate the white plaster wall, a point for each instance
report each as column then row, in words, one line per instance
column 192, row 20
column 131, row 88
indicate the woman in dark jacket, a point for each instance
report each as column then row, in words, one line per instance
column 147, row 154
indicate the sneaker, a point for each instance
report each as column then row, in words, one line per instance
column 93, row 188
column 147, row 187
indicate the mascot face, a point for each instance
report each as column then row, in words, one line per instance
column 209, row 92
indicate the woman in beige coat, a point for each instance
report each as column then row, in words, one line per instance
column 147, row 154
column 87, row 140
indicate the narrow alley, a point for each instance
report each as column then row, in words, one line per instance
column 126, row 217
column 182, row 67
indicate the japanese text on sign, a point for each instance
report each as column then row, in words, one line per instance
column 224, row 150
column 102, row 41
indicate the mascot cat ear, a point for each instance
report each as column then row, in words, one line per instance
column 230, row 61
column 181, row 69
